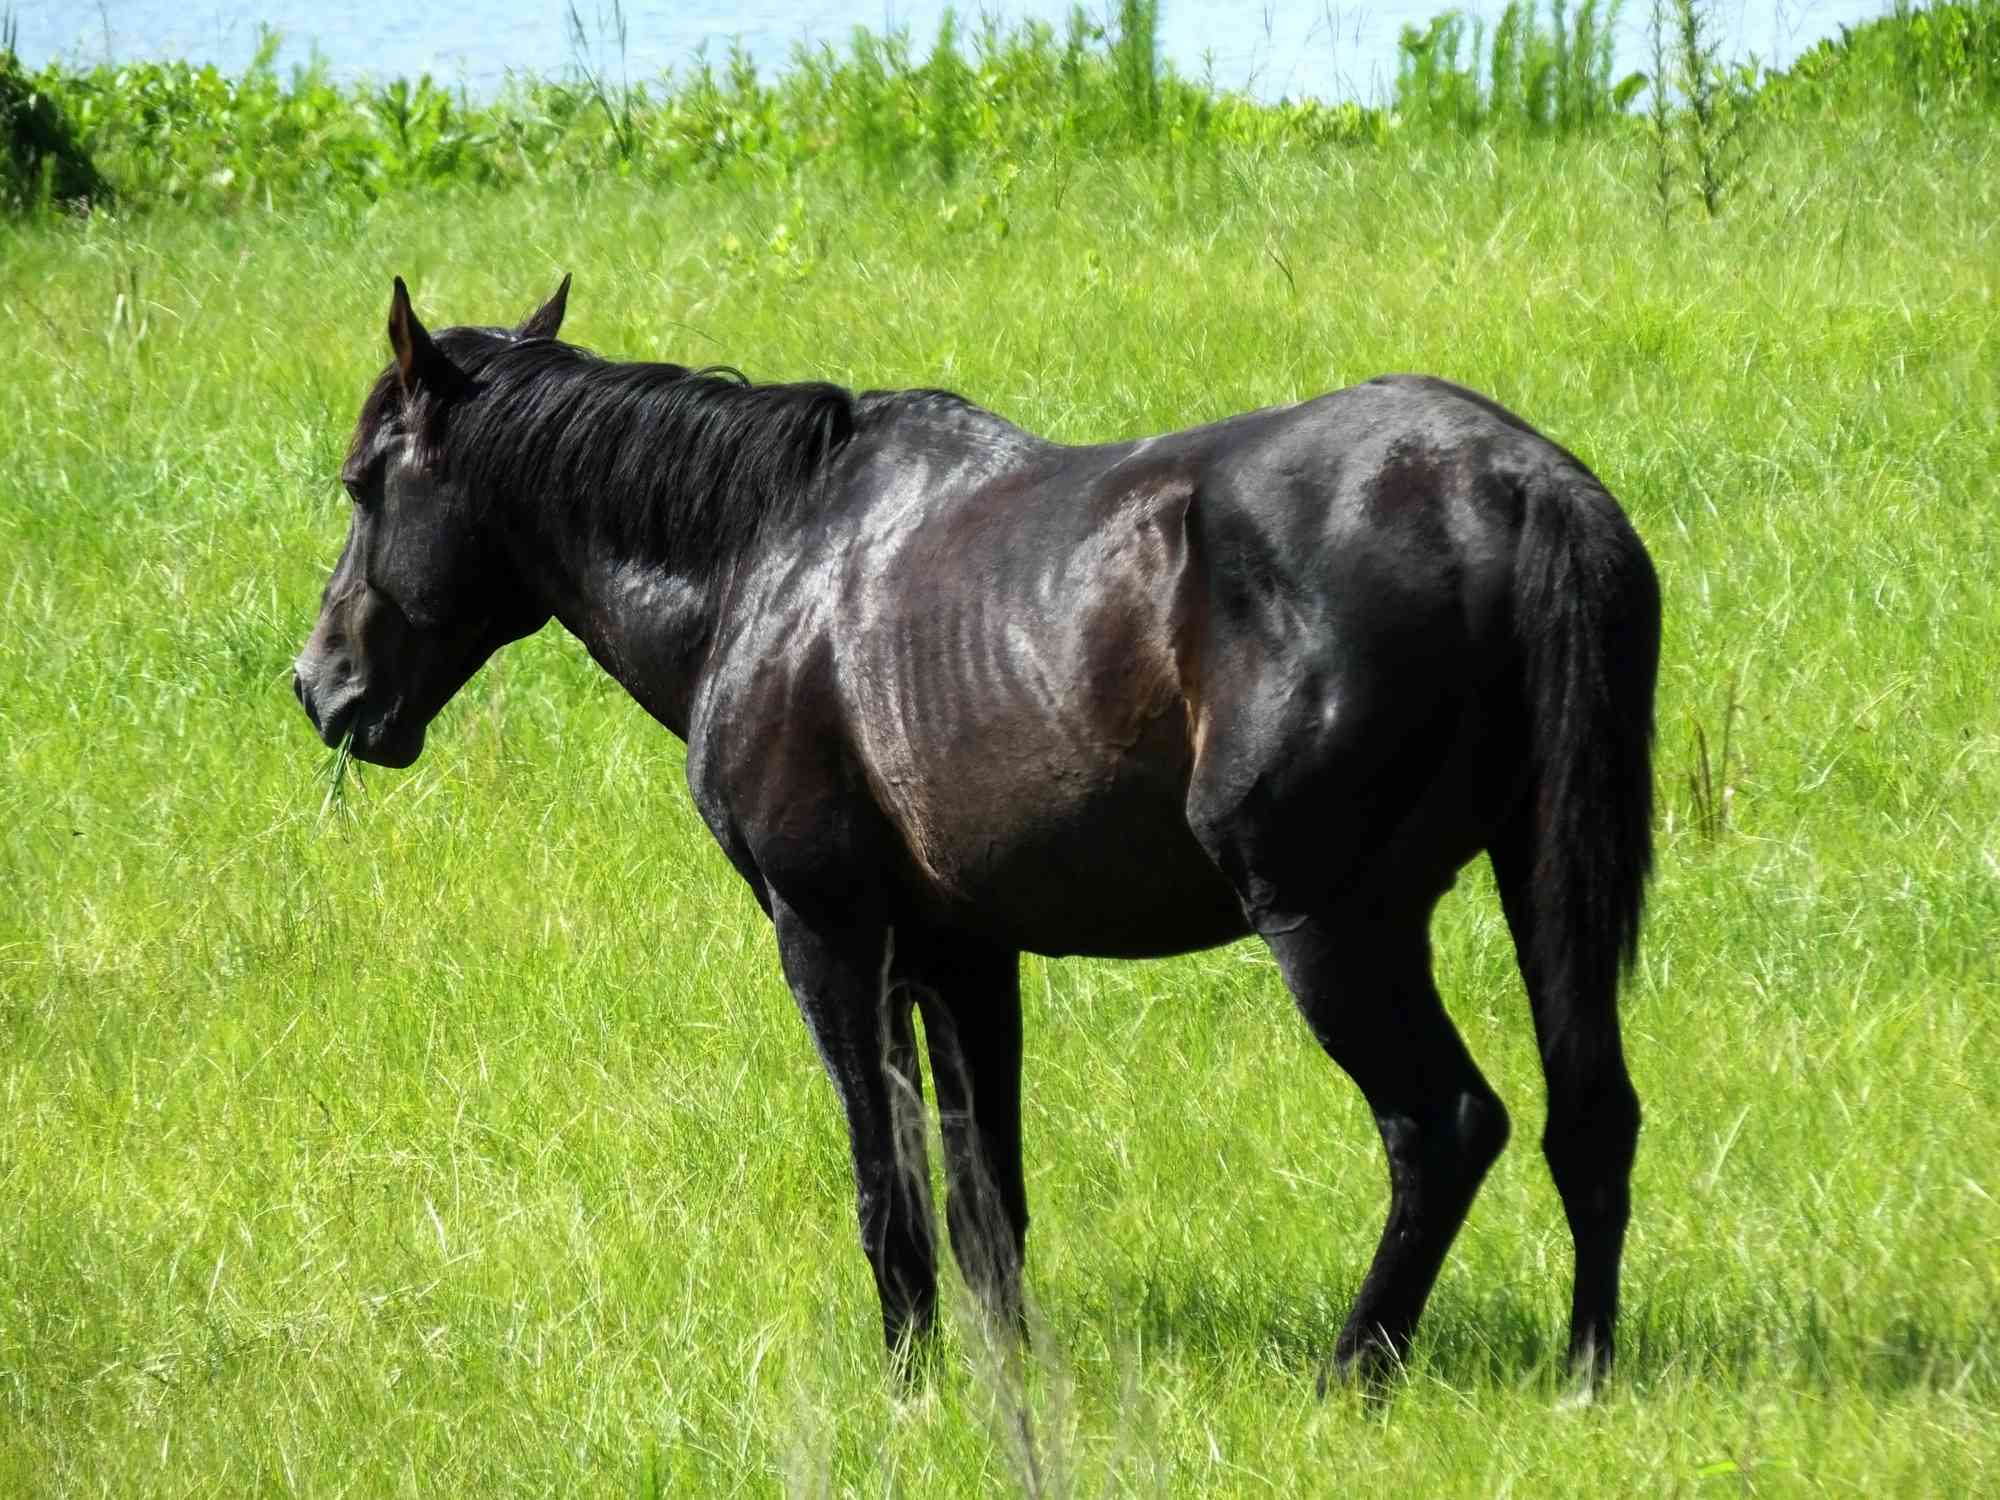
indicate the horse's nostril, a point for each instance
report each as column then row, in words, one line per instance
column 304, row 695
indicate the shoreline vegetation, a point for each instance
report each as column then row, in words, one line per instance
column 985, row 100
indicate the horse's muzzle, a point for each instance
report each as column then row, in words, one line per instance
column 329, row 722
column 382, row 738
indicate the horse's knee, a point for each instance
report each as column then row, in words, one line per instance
column 1455, row 1142
column 1481, row 1125
column 1472, row 1131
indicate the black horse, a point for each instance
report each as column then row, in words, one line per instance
column 951, row 691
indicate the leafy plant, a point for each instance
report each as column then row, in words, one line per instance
column 1543, row 78
column 981, row 97
column 1941, row 56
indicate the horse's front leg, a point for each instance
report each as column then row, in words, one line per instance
column 970, row 996
column 840, row 976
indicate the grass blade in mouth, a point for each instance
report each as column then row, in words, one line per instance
column 336, row 775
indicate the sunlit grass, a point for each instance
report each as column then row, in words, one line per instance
column 468, row 1141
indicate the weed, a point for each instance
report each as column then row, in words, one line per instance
column 1660, row 118
column 1135, row 55
column 1715, row 101
column 617, row 103
column 1711, row 790
column 172, row 133
column 42, row 162
column 1932, row 59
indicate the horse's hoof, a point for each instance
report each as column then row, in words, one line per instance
column 1373, row 1370
column 1589, row 1371
column 1581, row 1396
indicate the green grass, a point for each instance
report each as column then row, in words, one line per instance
column 456, row 1135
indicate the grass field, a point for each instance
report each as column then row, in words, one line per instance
column 458, row 1136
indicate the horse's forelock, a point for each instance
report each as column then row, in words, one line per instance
column 375, row 408
column 466, row 349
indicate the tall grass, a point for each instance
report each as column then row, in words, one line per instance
column 468, row 1141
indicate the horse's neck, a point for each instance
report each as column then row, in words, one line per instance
column 645, row 625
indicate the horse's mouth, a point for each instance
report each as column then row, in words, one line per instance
column 383, row 742
column 379, row 736
column 383, row 739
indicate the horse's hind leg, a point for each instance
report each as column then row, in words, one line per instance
column 1340, row 807
column 971, row 1001
column 1363, row 982
column 860, row 1022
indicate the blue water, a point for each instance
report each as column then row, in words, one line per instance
column 1333, row 51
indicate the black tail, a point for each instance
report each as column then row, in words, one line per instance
column 1574, row 862
column 1573, row 858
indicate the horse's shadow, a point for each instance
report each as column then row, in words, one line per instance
column 1500, row 1338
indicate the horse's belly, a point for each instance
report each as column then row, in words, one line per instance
column 1105, row 867
column 1127, row 902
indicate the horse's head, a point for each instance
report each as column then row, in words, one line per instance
column 422, row 593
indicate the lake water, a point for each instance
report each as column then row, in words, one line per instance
column 1334, row 51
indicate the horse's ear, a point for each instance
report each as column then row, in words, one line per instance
column 546, row 321
column 419, row 361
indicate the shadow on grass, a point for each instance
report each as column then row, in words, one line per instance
column 1503, row 1337
column 1497, row 1340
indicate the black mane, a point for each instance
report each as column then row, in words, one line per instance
column 661, row 461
